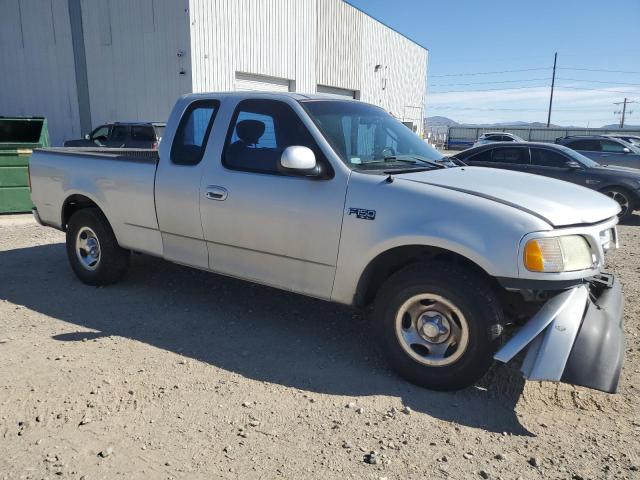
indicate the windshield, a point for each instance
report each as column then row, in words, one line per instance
column 368, row 138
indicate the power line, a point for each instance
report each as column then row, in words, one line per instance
column 540, row 86
column 598, row 89
column 599, row 81
column 487, row 83
column 624, row 109
column 493, row 89
column 599, row 70
column 489, row 73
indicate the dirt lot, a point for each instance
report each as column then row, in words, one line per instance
column 176, row 373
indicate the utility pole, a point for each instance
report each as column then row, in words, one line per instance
column 553, row 81
column 624, row 109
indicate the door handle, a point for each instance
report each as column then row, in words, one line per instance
column 216, row 193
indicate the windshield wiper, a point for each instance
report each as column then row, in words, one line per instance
column 413, row 159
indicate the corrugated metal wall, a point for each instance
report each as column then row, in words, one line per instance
column 309, row 42
column 38, row 77
column 399, row 84
column 267, row 37
column 463, row 137
column 135, row 52
column 339, row 43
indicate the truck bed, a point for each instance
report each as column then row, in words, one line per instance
column 119, row 181
column 127, row 154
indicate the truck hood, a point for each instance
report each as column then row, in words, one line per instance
column 556, row 202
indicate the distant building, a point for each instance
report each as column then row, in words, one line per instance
column 81, row 63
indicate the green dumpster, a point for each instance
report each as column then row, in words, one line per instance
column 18, row 137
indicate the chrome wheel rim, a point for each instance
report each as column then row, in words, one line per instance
column 88, row 248
column 622, row 200
column 432, row 330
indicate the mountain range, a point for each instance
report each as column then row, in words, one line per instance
column 439, row 121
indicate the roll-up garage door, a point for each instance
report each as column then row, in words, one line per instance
column 247, row 81
column 343, row 92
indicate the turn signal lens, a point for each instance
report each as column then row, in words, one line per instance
column 558, row 254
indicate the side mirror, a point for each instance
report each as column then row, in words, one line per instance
column 87, row 136
column 626, row 150
column 573, row 164
column 298, row 160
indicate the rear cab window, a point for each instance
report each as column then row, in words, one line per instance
column 193, row 131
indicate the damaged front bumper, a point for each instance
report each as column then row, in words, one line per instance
column 576, row 337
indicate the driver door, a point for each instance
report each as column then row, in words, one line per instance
column 554, row 164
column 260, row 224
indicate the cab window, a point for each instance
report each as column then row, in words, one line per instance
column 191, row 137
column 260, row 131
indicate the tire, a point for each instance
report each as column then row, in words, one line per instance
column 449, row 298
column 624, row 198
column 92, row 249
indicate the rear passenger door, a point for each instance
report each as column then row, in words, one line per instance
column 506, row 158
column 587, row 147
column 511, row 158
column 262, row 225
column 119, row 136
column 142, row 136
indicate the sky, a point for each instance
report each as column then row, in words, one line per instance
column 598, row 46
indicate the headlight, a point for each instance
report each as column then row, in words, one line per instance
column 558, row 254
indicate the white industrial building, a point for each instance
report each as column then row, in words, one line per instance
column 81, row 63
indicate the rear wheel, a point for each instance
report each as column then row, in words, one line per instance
column 624, row 199
column 92, row 249
column 438, row 325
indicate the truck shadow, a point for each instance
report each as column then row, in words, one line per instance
column 259, row 332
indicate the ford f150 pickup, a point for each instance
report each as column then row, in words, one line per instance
column 335, row 199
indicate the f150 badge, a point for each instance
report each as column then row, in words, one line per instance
column 363, row 213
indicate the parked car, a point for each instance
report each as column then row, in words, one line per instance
column 621, row 184
column 632, row 139
column 335, row 199
column 491, row 137
column 603, row 149
column 122, row 135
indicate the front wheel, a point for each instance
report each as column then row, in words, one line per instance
column 92, row 249
column 438, row 325
column 624, row 199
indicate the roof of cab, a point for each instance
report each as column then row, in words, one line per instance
column 252, row 93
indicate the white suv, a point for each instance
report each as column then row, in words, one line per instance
column 491, row 137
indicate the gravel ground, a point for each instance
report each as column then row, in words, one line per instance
column 176, row 373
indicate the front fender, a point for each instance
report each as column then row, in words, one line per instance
column 407, row 213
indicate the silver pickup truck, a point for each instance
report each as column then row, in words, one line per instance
column 335, row 199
